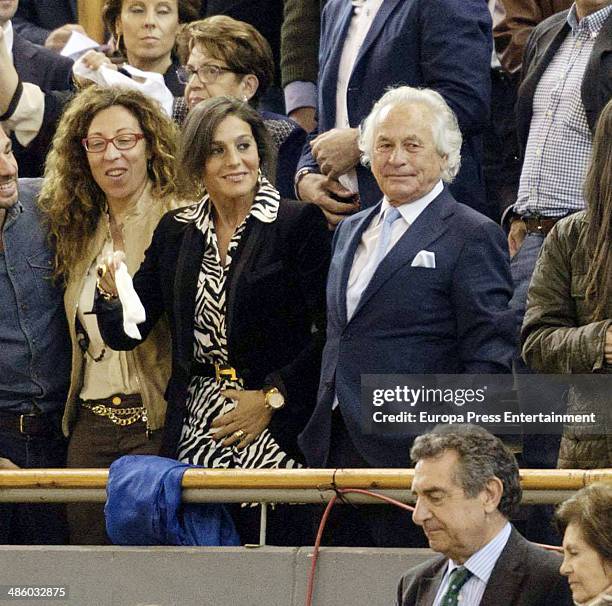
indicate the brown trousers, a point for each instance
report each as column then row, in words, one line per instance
column 96, row 442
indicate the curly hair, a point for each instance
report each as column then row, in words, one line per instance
column 236, row 43
column 598, row 195
column 482, row 456
column 591, row 510
column 70, row 198
column 111, row 11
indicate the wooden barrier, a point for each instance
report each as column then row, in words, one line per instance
column 322, row 479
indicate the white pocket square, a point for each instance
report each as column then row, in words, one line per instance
column 424, row 258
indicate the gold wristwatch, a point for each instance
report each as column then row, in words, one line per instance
column 274, row 399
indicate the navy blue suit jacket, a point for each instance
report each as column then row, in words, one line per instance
column 35, row 19
column 41, row 66
column 444, row 45
column 413, row 320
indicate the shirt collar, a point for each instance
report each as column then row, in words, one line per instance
column 8, row 37
column 411, row 210
column 264, row 207
column 12, row 214
column 605, row 597
column 591, row 23
column 481, row 563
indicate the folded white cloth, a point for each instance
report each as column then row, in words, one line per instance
column 133, row 310
column 424, row 258
column 77, row 45
column 148, row 83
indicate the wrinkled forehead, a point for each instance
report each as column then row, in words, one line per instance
column 402, row 119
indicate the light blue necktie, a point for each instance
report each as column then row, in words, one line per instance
column 391, row 216
column 361, row 283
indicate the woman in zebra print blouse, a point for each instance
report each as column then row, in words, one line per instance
column 241, row 275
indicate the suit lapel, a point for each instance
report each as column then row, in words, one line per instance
column 335, row 44
column 249, row 242
column 532, row 79
column 385, row 10
column 185, row 286
column 589, row 90
column 507, row 576
column 23, row 58
column 428, row 585
column 349, row 256
column 428, row 227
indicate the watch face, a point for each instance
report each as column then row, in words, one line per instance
column 276, row 399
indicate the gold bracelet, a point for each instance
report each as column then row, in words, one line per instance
column 106, row 295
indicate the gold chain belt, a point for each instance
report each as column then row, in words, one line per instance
column 118, row 416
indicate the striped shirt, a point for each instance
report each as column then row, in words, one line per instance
column 559, row 144
column 481, row 566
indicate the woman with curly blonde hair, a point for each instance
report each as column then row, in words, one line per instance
column 109, row 178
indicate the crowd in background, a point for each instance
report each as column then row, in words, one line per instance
column 213, row 150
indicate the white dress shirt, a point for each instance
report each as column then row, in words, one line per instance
column 364, row 13
column 8, row 38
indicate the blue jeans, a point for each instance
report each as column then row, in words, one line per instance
column 26, row 523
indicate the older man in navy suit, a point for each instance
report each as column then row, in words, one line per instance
column 418, row 284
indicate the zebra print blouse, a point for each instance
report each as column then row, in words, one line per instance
column 205, row 402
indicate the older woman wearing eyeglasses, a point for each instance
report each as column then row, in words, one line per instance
column 109, row 178
column 229, row 57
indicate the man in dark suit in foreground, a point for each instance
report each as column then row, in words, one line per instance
column 467, row 486
column 418, row 284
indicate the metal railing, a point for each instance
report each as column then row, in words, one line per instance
column 273, row 486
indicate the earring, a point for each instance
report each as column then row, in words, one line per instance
column 117, row 45
column 245, row 99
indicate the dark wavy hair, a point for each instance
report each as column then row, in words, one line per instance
column 198, row 134
column 70, row 198
column 591, row 509
column 111, row 11
column 236, row 43
column 482, row 456
column 598, row 196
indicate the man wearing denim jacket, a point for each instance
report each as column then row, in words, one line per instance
column 34, row 353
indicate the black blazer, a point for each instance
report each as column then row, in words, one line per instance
column 274, row 316
column 524, row 575
column 542, row 45
column 41, row 66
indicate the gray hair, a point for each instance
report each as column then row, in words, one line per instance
column 445, row 128
column 482, row 456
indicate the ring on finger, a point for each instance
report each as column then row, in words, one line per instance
column 240, row 433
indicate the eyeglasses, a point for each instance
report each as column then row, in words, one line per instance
column 207, row 73
column 98, row 144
